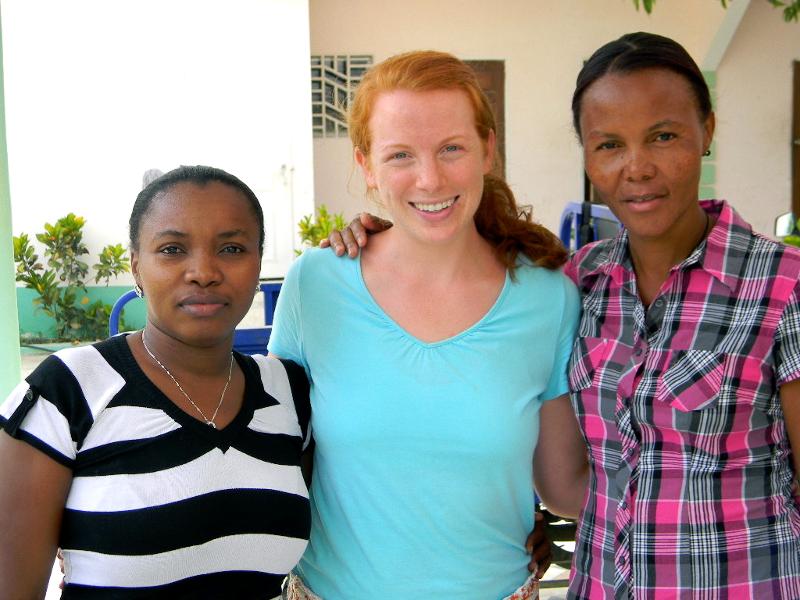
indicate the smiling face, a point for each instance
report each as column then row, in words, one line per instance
column 643, row 138
column 198, row 261
column 427, row 162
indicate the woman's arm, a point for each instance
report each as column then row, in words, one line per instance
column 561, row 467
column 33, row 491
column 790, row 402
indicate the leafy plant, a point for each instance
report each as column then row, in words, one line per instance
column 791, row 8
column 315, row 229
column 60, row 283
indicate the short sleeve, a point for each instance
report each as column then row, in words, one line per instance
column 571, row 268
column 37, row 414
column 286, row 338
column 298, row 382
column 787, row 340
column 558, row 385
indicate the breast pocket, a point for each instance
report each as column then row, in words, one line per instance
column 691, row 379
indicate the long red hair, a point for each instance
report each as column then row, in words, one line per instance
column 510, row 229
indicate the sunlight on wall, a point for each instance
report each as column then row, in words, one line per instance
column 98, row 92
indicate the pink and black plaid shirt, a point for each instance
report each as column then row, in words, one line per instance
column 691, row 478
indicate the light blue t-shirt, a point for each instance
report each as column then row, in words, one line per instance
column 422, row 482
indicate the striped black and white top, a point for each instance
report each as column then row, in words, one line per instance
column 161, row 505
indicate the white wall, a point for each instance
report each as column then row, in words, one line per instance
column 97, row 92
column 754, row 116
column 543, row 43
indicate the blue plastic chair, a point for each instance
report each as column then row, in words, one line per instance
column 251, row 340
column 604, row 224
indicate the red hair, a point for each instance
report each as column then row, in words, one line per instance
column 499, row 220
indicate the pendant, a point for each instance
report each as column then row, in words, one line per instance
column 211, row 424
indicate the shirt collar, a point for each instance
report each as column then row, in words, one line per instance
column 722, row 255
column 727, row 244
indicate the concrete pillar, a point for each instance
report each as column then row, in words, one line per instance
column 10, row 367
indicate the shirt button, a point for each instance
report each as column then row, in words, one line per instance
column 658, row 303
column 623, row 505
column 638, row 352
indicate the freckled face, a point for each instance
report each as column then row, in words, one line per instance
column 643, row 138
column 427, row 162
column 198, row 261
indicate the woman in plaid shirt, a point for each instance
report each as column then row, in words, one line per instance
column 684, row 377
column 685, row 374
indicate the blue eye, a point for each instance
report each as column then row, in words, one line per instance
column 451, row 148
column 399, row 155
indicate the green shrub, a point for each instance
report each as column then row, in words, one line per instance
column 60, row 283
column 313, row 230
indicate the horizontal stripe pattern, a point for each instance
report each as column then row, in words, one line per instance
column 241, row 585
column 161, row 505
column 260, row 553
column 191, row 522
column 128, row 423
column 275, row 419
column 97, row 379
column 211, row 472
column 41, row 420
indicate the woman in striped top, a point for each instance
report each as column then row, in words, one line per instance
column 161, row 462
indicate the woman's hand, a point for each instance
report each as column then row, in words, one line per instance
column 354, row 236
column 790, row 403
column 539, row 547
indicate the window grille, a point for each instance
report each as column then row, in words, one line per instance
column 333, row 81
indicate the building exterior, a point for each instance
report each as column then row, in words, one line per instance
column 236, row 92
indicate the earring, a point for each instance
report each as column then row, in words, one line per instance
column 707, row 152
column 138, row 290
column 258, row 288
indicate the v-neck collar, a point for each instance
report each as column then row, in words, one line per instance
column 254, row 397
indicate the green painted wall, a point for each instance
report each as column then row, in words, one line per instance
column 10, row 363
column 35, row 323
column 708, row 176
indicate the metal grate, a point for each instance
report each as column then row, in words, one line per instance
column 333, row 81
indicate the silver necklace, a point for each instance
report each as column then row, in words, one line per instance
column 209, row 422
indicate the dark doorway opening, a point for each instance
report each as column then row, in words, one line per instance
column 796, row 141
column 492, row 79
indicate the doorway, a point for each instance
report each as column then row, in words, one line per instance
column 796, row 141
column 492, row 79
